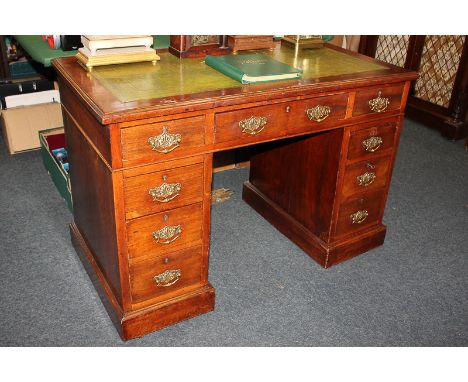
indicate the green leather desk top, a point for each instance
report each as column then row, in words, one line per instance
column 173, row 76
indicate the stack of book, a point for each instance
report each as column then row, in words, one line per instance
column 112, row 49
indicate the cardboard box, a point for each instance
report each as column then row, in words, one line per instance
column 50, row 140
column 21, row 125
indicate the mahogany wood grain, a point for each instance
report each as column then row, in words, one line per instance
column 326, row 254
column 145, row 290
column 139, row 202
column 384, row 130
column 108, row 109
column 228, row 127
column 143, row 321
column 208, row 170
column 141, row 243
column 98, row 134
column 379, row 167
column 392, row 92
column 248, row 42
column 93, row 199
column 105, row 292
column 302, row 178
column 369, row 202
column 136, row 149
column 299, row 121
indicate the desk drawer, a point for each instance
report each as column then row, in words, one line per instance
column 165, row 276
column 367, row 176
column 314, row 113
column 378, row 100
column 163, row 190
column 165, row 140
column 359, row 212
column 368, row 142
column 251, row 125
column 165, row 232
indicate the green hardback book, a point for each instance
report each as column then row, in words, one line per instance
column 251, row 68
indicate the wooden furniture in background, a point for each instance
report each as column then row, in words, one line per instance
column 247, row 42
column 141, row 169
column 198, row 45
column 439, row 98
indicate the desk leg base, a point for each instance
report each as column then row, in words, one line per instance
column 326, row 254
column 137, row 323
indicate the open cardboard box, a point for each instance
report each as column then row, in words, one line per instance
column 51, row 140
column 20, row 125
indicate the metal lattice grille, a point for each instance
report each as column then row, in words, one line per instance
column 438, row 69
column 392, row 49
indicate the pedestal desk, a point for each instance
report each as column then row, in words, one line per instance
column 141, row 139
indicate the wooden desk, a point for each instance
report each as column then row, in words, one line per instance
column 141, row 140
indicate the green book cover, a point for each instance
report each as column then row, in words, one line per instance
column 251, row 68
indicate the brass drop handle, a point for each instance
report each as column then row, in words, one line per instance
column 359, row 216
column 379, row 104
column 372, row 144
column 318, row 113
column 167, row 278
column 366, row 179
column 165, row 142
column 253, row 125
column 167, row 234
column 165, row 192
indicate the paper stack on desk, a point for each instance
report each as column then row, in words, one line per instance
column 112, row 49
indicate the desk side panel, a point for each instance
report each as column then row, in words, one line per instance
column 93, row 202
column 98, row 134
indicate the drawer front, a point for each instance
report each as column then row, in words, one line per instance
column 359, row 212
column 314, row 113
column 378, row 100
column 251, row 125
column 165, row 276
column 368, row 175
column 365, row 143
column 165, row 232
column 163, row 190
column 165, row 140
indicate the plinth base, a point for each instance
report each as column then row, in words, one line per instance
column 137, row 323
column 326, row 254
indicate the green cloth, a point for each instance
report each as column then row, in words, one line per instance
column 40, row 51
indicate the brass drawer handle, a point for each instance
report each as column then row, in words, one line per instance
column 253, row 125
column 359, row 216
column 165, row 192
column 366, row 179
column 167, row 278
column 318, row 113
column 167, row 234
column 379, row 104
column 372, row 144
column 164, row 143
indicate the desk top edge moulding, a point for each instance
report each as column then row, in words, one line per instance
column 141, row 138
